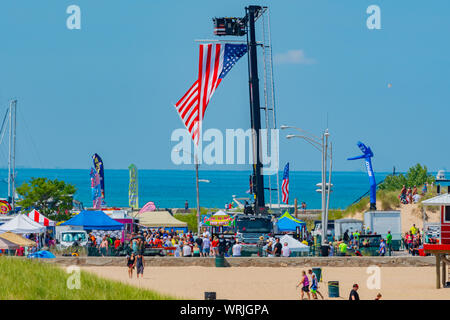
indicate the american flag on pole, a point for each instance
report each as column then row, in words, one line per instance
column 285, row 184
column 216, row 60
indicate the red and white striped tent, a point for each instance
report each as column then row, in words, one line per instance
column 39, row 218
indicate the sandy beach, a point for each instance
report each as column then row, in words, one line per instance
column 260, row 283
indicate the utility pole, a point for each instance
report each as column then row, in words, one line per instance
column 255, row 108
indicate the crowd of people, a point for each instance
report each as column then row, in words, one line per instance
column 410, row 195
column 413, row 240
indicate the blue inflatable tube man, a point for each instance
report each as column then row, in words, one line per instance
column 367, row 155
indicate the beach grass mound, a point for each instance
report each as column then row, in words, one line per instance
column 26, row 279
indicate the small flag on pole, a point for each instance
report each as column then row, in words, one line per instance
column 285, row 184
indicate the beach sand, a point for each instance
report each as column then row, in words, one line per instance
column 260, row 283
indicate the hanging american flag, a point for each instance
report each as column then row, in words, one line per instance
column 216, row 60
column 285, row 184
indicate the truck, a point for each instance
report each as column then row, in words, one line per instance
column 342, row 225
column 249, row 228
column 66, row 236
column 317, row 231
column 380, row 222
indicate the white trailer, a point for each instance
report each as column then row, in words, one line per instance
column 380, row 222
column 342, row 225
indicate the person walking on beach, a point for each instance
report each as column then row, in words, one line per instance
column 140, row 264
column 305, row 286
column 131, row 262
column 186, row 206
column 354, row 293
column 314, row 285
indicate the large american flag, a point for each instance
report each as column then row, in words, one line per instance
column 216, row 60
column 285, row 185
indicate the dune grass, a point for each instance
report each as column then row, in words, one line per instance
column 389, row 199
column 25, row 279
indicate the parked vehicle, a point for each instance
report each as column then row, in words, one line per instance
column 342, row 225
column 67, row 236
column 380, row 222
column 317, row 231
column 249, row 228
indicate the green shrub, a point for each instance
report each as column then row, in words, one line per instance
column 416, row 176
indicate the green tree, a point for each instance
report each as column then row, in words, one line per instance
column 50, row 197
column 416, row 176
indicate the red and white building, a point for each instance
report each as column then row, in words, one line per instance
column 442, row 250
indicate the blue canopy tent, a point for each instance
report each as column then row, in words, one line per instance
column 93, row 220
column 287, row 223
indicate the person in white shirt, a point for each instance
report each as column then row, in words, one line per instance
column 285, row 251
column 187, row 251
column 237, row 249
column 416, row 198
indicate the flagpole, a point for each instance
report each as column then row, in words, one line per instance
column 198, row 194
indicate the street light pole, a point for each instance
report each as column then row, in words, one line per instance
column 325, row 187
column 324, row 161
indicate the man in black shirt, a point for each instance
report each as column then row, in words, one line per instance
column 222, row 245
column 346, row 236
column 354, row 293
column 199, row 241
column 325, row 250
column 277, row 248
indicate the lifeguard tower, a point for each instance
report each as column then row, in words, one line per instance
column 441, row 250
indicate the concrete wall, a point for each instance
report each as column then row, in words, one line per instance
column 254, row 262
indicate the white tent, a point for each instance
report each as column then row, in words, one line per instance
column 22, row 224
column 294, row 245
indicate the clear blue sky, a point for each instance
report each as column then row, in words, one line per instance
column 109, row 87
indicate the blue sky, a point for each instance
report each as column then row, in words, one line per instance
column 109, row 87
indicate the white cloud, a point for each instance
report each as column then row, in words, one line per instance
column 293, row 57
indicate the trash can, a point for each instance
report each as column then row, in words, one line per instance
column 220, row 261
column 333, row 289
column 210, row 296
column 318, row 273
